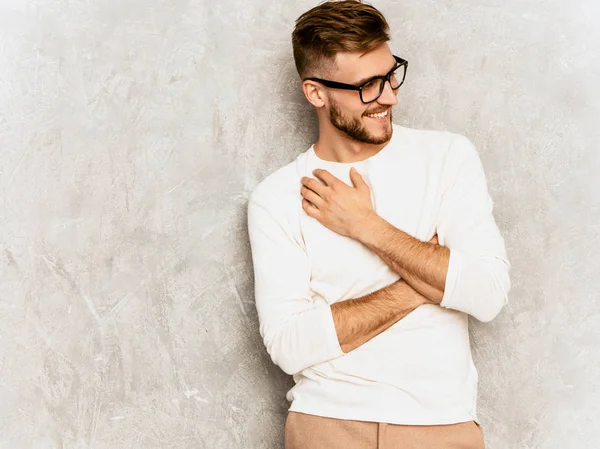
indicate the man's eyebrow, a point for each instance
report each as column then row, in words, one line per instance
column 364, row 80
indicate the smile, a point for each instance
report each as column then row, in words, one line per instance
column 380, row 115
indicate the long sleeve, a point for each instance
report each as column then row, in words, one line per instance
column 296, row 333
column 478, row 279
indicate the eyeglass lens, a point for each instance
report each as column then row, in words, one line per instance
column 372, row 90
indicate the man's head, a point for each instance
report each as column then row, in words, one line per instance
column 346, row 42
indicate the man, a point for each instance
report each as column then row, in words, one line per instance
column 370, row 251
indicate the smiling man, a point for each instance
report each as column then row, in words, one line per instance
column 371, row 250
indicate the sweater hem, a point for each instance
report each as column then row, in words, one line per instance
column 412, row 418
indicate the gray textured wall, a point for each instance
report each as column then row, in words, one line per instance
column 131, row 133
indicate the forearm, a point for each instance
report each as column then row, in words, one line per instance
column 359, row 320
column 422, row 265
column 422, row 286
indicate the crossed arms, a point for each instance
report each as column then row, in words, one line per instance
column 467, row 271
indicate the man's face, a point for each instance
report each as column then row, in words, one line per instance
column 347, row 112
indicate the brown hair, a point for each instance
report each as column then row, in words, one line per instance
column 333, row 26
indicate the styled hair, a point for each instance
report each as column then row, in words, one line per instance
column 335, row 26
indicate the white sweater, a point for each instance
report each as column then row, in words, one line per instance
column 420, row 370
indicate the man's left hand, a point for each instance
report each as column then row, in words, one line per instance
column 342, row 208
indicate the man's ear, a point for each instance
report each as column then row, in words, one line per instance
column 314, row 93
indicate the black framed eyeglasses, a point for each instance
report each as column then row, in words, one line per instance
column 372, row 89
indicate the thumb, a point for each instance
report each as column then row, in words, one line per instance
column 357, row 179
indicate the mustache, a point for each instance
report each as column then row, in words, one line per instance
column 378, row 112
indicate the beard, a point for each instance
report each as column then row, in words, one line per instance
column 354, row 128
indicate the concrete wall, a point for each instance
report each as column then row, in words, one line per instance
column 131, row 133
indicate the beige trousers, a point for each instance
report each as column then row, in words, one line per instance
column 304, row 431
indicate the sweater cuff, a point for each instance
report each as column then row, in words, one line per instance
column 454, row 264
column 330, row 346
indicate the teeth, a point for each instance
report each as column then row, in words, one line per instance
column 380, row 115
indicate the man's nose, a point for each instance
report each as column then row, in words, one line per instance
column 388, row 96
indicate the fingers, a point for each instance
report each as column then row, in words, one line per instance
column 310, row 208
column 314, row 185
column 326, row 177
column 311, row 196
column 357, row 179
